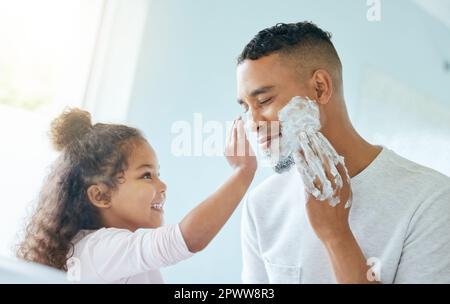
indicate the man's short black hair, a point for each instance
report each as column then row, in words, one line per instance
column 304, row 37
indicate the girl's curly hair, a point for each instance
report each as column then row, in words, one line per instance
column 90, row 154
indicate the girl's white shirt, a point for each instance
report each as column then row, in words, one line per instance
column 112, row 255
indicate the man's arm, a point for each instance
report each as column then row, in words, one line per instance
column 347, row 259
column 349, row 263
column 331, row 226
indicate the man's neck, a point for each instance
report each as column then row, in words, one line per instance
column 357, row 152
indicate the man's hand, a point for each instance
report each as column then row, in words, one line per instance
column 329, row 222
column 331, row 226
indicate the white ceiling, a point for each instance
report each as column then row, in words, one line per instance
column 439, row 9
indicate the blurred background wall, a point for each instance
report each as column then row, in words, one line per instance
column 178, row 58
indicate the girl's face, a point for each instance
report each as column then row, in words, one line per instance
column 139, row 198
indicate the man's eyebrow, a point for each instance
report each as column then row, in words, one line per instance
column 261, row 90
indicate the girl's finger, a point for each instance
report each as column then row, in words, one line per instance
column 230, row 133
column 233, row 139
column 229, row 144
column 241, row 139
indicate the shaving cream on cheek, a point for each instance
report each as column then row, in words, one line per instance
column 310, row 150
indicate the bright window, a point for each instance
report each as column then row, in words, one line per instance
column 46, row 49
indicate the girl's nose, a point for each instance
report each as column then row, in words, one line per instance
column 162, row 187
column 163, row 191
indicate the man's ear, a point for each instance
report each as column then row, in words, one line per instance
column 323, row 86
column 98, row 195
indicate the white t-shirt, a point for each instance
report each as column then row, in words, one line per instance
column 111, row 255
column 400, row 217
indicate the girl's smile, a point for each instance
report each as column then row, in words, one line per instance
column 139, row 201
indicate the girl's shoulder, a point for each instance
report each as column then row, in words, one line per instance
column 89, row 234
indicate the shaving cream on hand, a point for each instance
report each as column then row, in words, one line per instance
column 310, row 150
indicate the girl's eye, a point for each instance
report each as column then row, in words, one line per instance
column 147, row 175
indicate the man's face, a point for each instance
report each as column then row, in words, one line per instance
column 264, row 87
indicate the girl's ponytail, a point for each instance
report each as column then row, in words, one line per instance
column 72, row 125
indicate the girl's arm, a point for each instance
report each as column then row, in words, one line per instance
column 202, row 224
column 111, row 255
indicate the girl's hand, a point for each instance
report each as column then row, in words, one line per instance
column 204, row 221
column 238, row 151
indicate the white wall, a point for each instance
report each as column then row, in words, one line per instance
column 392, row 70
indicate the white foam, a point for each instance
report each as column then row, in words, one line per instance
column 302, row 139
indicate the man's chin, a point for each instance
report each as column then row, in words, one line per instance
column 277, row 161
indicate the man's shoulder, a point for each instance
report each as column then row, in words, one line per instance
column 418, row 175
column 413, row 186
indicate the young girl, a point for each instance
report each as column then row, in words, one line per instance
column 103, row 204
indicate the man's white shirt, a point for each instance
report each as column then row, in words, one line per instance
column 400, row 217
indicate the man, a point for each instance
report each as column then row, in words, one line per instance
column 398, row 228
